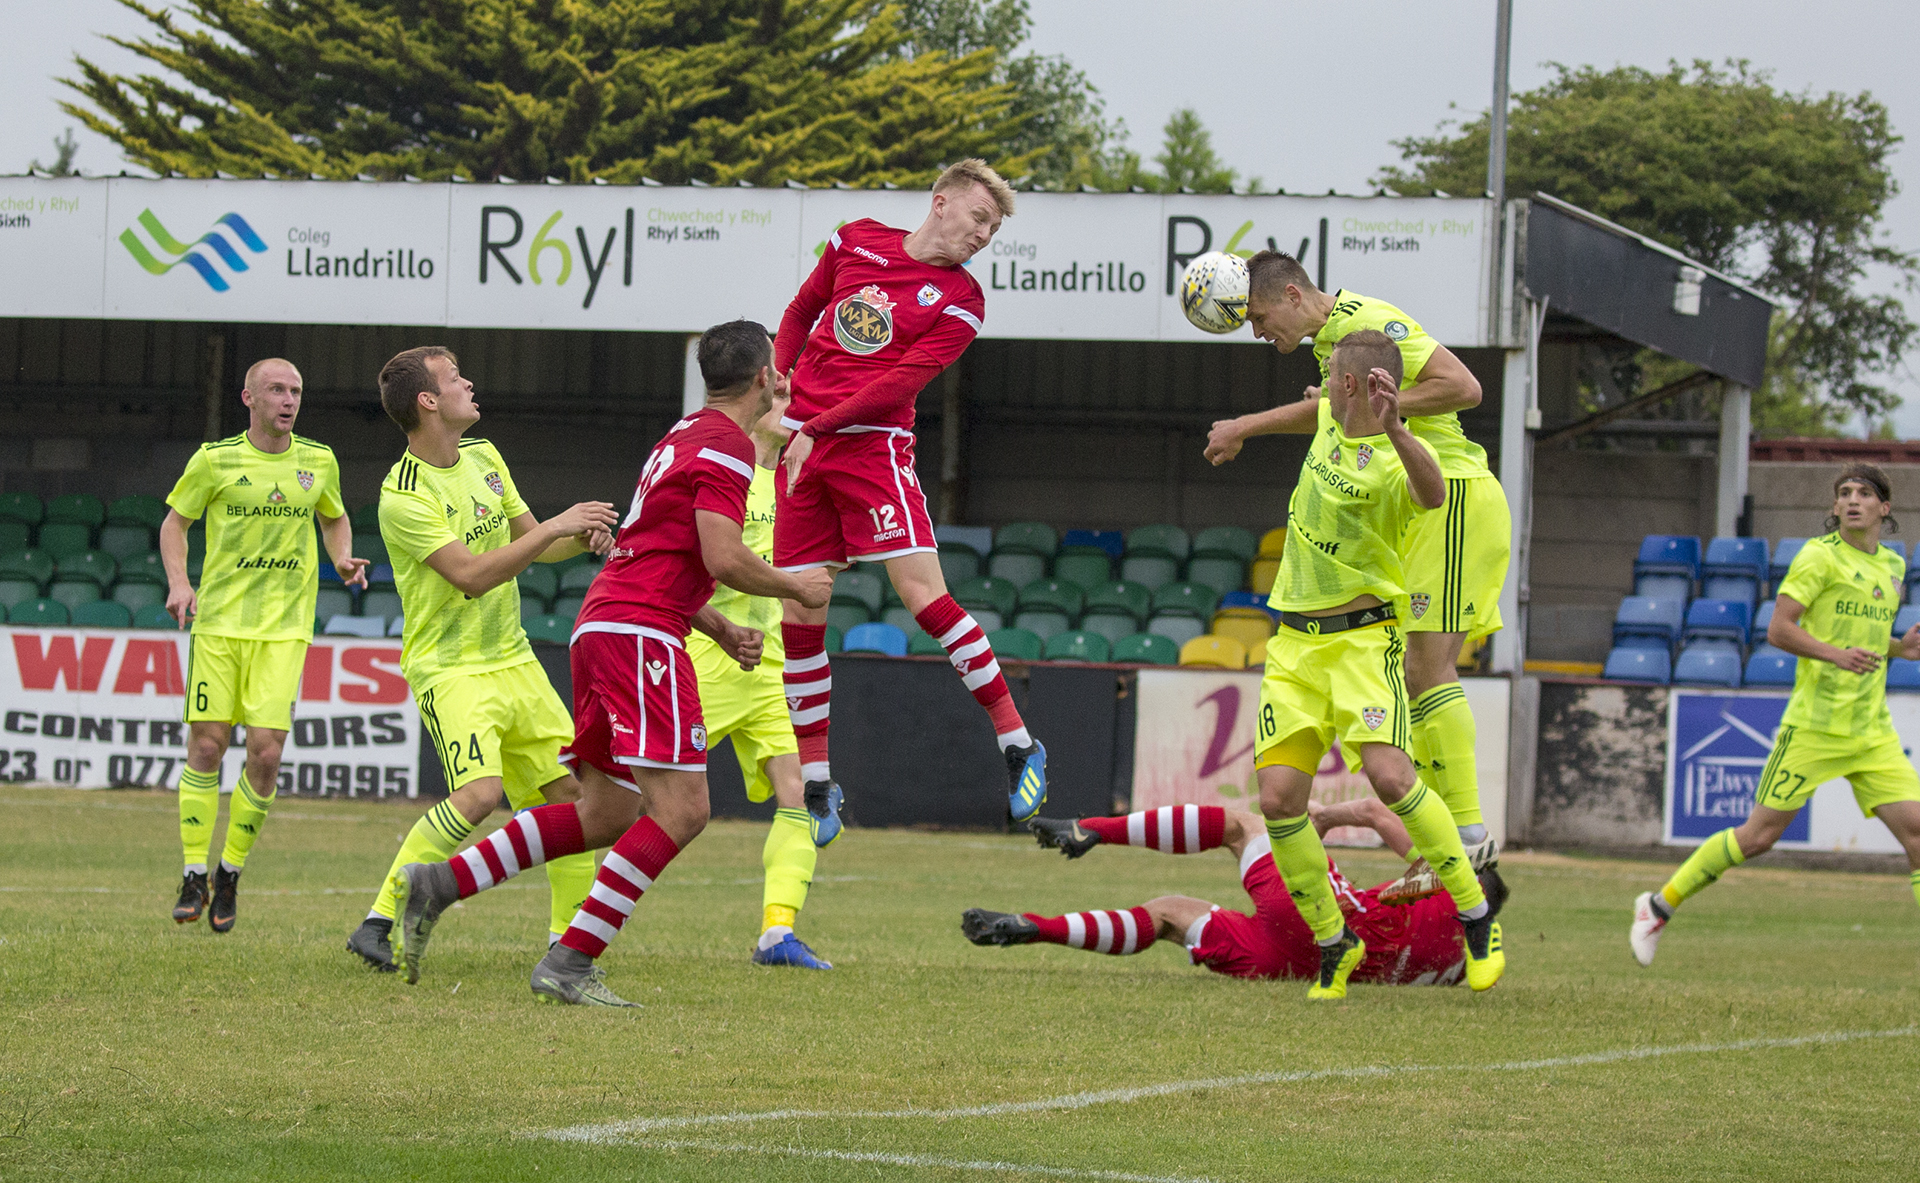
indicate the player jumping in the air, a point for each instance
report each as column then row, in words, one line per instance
column 1455, row 562
column 883, row 312
column 458, row 535
column 640, row 746
column 1334, row 664
column 1835, row 612
column 252, row 616
column 1406, row 946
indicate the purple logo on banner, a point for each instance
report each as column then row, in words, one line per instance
column 1720, row 747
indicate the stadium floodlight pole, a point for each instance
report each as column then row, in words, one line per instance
column 1497, row 139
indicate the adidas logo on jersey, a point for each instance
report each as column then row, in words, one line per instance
column 656, row 670
column 243, row 480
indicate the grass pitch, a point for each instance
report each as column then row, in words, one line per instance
column 134, row 1049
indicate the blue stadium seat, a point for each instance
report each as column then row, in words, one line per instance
column 1736, row 556
column 1647, row 616
column 1632, row 641
column 1668, row 554
column 1783, row 558
column 875, row 638
column 1730, row 619
column 1111, row 541
column 1639, row 665
column 1708, row 665
column 1247, row 599
column 1903, row 674
column 1762, row 618
column 1905, row 619
column 356, row 626
column 1744, row 588
column 1663, row 587
column 1771, row 667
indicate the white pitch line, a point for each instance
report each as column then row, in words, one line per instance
column 923, row 1160
column 621, row 1130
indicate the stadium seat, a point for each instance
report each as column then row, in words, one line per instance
column 1728, row 619
column 14, row 591
column 369, row 545
column 919, row 644
column 833, row 639
column 1016, row 566
column 14, row 537
column 978, row 539
column 1663, row 587
column 1119, row 598
column 1273, row 543
column 1018, row 644
column 1668, row 554
column 1031, row 538
column 1186, row 599
column 33, row 565
column 875, row 638
column 1226, row 542
column 987, row 594
column 540, row 582
column 145, row 568
column 1078, row 645
column 1744, row 588
column 548, row 629
column 137, row 594
column 1241, row 603
column 1086, row 569
column 855, row 586
column 901, row 617
column 577, row 578
column 365, row 519
column 1771, row 667
column 531, row 606
column 154, row 616
column 1260, row 575
column 332, row 602
column 1903, row 674
column 1049, row 607
column 24, row 508
column 1111, row 623
column 1155, row 555
column 96, row 565
column 60, row 539
column 1149, row 571
column 73, row 592
column 79, row 509
column 568, row 607
column 39, row 612
column 1220, row 574
column 356, row 626
column 1639, row 665
column 139, row 509
column 844, row 616
column 958, row 563
column 1783, row 553
column 1736, row 556
column 1903, row 620
column 1248, row 630
column 1176, row 627
column 1110, row 542
column 123, row 542
column 102, row 614
column 1146, row 649
column 1646, row 616
column 1762, row 617
column 1213, row 650
column 1708, row 665
column 381, row 602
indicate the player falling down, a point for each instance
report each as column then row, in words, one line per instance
column 751, row 707
column 1834, row 612
column 1416, row 945
column 1333, row 666
column 883, row 312
column 639, row 743
column 1455, row 562
column 252, row 617
column 458, row 534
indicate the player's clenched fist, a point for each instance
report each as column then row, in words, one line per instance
column 585, row 518
column 813, row 587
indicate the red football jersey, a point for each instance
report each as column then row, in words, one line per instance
column 655, row 576
column 872, row 306
column 1416, row 944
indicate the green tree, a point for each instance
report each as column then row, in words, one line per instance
column 679, row 90
column 1187, row 159
column 65, row 148
column 1785, row 190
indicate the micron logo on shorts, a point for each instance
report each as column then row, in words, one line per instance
column 189, row 254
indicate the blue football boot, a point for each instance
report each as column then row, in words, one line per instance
column 1026, row 780
column 823, row 799
column 790, row 951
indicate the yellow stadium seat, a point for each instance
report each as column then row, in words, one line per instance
column 1249, row 630
column 1257, row 655
column 1273, row 543
column 1262, row 573
column 1209, row 649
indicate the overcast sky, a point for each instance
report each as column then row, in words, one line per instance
column 1290, row 97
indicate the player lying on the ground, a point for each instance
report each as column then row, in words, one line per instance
column 1834, row 612
column 1413, row 945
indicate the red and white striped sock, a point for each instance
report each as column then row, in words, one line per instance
column 531, row 838
column 1171, row 829
column 967, row 648
column 809, row 686
column 1118, row 933
column 635, row 861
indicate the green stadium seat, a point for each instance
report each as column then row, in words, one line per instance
column 24, row 508
column 1170, row 541
column 1146, row 649
column 901, row 617
column 577, row 578
column 833, row 639
column 845, row 616
column 548, row 629
column 569, row 607
column 14, row 537
column 1016, row 567
column 102, row 614
column 1226, row 542
column 1016, row 643
column 38, row 613
column 1177, row 627
column 123, row 542
column 1220, row 574
column 978, row 539
column 154, row 616
column 380, row 602
column 1122, row 596
column 1111, row 623
column 334, row 601
column 1049, row 607
column 1186, row 599
column 16, row 591
column 96, row 565
column 61, row 539
column 1149, row 571
column 28, row 564
column 143, row 568
column 140, row 509
column 531, row 606
column 855, row 586
column 540, row 582
column 80, row 509
column 958, row 562
column 987, row 593
column 366, row 519
column 1044, row 623
column 370, row 546
column 73, row 592
column 1034, row 538
column 1088, row 568
column 1079, row 645
column 919, row 644
column 138, row 595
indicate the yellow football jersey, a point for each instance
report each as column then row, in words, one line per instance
column 423, row 508
column 1459, row 456
column 761, row 612
column 260, row 580
column 1851, row 599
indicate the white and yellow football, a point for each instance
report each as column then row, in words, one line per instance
column 1213, row 292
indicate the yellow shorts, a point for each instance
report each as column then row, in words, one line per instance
column 232, row 680
column 1348, row 686
column 749, row 705
column 1456, row 560
column 507, row 723
column 1804, row 760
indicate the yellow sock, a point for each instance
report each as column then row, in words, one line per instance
column 778, row 916
column 1302, row 863
column 433, row 839
column 569, row 879
column 246, row 814
column 1444, row 735
column 789, row 857
column 199, row 809
column 1432, row 830
column 1703, row 867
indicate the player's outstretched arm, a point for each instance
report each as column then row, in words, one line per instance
column 599, row 541
column 1443, row 384
column 1786, row 632
column 743, row 644
column 478, row 574
column 338, row 534
column 730, row 561
column 1299, row 417
column 1424, row 480
column 181, row 604
column 1368, row 813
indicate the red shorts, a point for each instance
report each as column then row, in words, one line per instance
column 636, row 703
column 858, row 499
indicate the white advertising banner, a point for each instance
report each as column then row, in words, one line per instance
column 1067, row 266
column 102, row 708
column 1193, row 745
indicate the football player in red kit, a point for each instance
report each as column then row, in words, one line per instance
column 883, row 312
column 1414, row 945
column 639, row 747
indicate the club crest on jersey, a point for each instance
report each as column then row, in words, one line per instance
column 1878, row 594
column 498, row 486
column 1373, row 717
column 479, row 510
column 698, row 737
column 928, row 294
column 1361, row 454
column 306, row 480
column 1333, row 457
column 1420, row 602
column 656, row 670
column 276, row 496
column 863, row 323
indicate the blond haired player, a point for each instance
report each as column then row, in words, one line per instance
column 1456, row 561
column 252, row 616
column 458, row 534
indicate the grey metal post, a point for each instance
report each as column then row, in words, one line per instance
column 1497, row 141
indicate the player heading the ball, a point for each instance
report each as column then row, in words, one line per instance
column 883, row 312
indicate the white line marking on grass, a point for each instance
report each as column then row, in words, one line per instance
column 922, row 1160
column 619, row 1130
